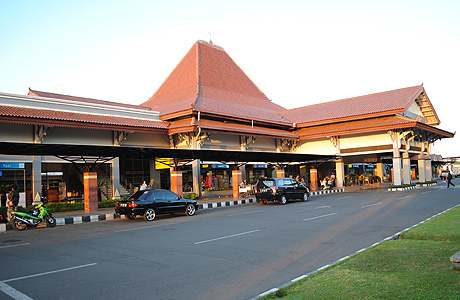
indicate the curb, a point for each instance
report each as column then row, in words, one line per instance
column 411, row 187
column 103, row 217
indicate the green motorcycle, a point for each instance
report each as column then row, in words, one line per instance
column 22, row 220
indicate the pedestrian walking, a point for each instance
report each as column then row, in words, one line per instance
column 449, row 180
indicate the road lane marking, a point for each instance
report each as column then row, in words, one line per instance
column 12, row 292
column 226, row 237
column 319, row 217
column 370, row 205
column 49, row 272
column 425, row 192
column 16, row 245
column 404, row 197
column 345, row 197
column 245, row 213
column 319, row 207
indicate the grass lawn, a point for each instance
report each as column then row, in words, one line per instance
column 417, row 266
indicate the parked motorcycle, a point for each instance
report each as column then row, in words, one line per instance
column 39, row 213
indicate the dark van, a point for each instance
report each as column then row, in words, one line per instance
column 281, row 190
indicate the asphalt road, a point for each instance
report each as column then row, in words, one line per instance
column 226, row 253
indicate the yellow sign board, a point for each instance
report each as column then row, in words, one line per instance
column 162, row 163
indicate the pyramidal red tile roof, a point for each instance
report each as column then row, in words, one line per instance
column 380, row 104
column 208, row 80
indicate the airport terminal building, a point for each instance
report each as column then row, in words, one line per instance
column 208, row 127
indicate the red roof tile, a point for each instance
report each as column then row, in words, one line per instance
column 84, row 100
column 365, row 126
column 380, row 104
column 208, row 80
column 70, row 117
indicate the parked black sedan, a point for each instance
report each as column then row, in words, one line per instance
column 149, row 203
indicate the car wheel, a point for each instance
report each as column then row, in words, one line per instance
column 190, row 210
column 305, row 197
column 149, row 214
column 130, row 217
column 283, row 200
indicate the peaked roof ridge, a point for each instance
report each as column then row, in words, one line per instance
column 356, row 98
column 172, row 73
column 83, row 99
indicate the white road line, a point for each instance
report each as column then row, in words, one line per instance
column 245, row 213
column 370, row 205
column 425, row 192
column 404, row 197
column 137, row 228
column 16, row 245
column 50, row 272
column 319, row 207
column 345, row 197
column 13, row 293
column 319, row 217
column 226, row 237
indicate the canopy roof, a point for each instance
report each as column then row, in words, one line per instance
column 88, row 151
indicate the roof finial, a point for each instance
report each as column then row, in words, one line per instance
column 210, row 41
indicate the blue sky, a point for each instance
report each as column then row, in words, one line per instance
column 297, row 52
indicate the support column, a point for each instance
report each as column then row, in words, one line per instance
column 176, row 182
column 340, row 173
column 116, row 178
column 407, row 176
column 236, row 179
column 379, row 171
column 421, row 168
column 155, row 179
column 429, row 171
column 196, row 175
column 36, row 179
column 313, row 179
column 90, row 190
column 397, row 170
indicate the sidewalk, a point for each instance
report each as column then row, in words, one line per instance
column 103, row 214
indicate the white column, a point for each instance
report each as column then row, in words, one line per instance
column 397, row 172
column 429, row 171
column 406, row 168
column 421, row 168
column 155, row 179
column 340, row 172
column 196, row 174
column 116, row 177
column 36, row 179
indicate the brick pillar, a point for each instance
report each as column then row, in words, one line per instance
column 313, row 179
column 90, row 188
column 236, row 179
column 280, row 173
column 176, row 182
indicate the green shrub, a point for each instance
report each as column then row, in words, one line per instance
column 190, row 196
